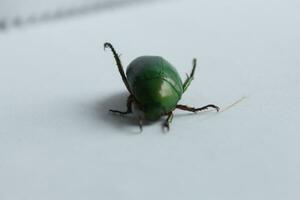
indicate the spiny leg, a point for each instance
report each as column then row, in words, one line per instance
column 119, row 64
column 190, row 77
column 191, row 109
column 130, row 100
column 168, row 121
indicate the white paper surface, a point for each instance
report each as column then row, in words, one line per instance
column 57, row 140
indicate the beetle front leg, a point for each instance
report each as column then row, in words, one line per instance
column 119, row 64
column 130, row 100
column 168, row 121
column 191, row 109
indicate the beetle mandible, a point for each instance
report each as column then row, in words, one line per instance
column 155, row 87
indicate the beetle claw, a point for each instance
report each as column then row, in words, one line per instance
column 107, row 45
column 166, row 127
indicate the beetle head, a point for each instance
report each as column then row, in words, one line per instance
column 153, row 112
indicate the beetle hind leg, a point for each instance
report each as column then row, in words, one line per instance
column 130, row 100
column 192, row 109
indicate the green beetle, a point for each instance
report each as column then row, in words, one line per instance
column 155, row 87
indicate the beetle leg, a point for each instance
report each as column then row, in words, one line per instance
column 190, row 77
column 119, row 64
column 168, row 121
column 130, row 100
column 191, row 109
column 141, row 124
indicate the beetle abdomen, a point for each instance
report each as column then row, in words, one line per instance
column 155, row 84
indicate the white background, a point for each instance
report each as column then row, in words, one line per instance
column 57, row 140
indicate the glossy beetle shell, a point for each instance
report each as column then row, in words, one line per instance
column 155, row 84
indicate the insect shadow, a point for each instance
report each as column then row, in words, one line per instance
column 117, row 101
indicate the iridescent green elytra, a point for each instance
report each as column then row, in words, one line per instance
column 155, row 87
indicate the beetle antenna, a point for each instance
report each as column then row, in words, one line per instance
column 119, row 64
column 233, row 104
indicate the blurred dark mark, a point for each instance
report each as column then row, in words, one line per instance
column 48, row 16
column 2, row 25
column 17, row 21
